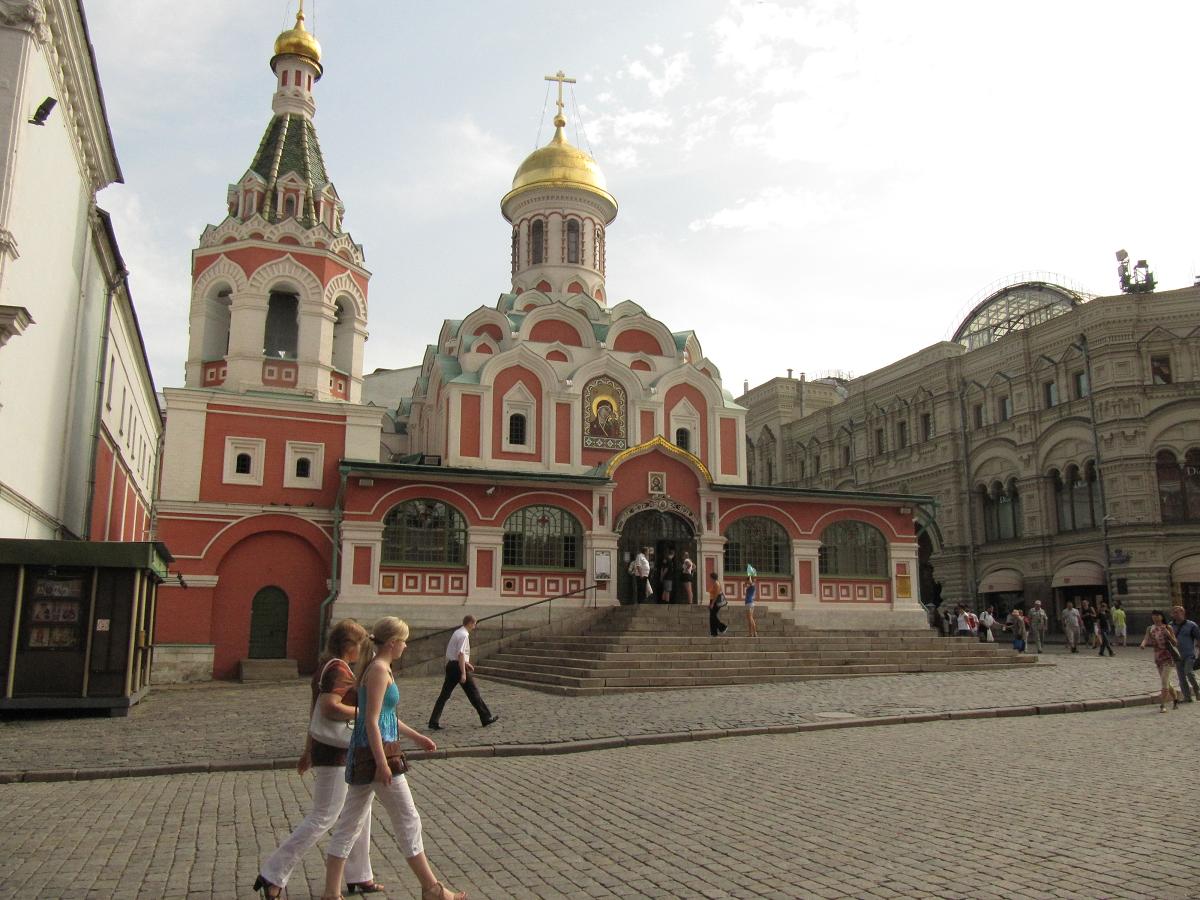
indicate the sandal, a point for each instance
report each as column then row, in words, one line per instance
column 261, row 884
column 437, row 891
column 363, row 887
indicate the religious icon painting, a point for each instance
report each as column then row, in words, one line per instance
column 604, row 414
column 657, row 484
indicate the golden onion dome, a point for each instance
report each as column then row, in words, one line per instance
column 298, row 42
column 561, row 164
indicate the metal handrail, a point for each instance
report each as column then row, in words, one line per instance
column 515, row 609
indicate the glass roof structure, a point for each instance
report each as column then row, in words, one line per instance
column 1013, row 308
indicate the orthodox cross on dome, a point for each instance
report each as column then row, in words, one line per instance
column 561, row 77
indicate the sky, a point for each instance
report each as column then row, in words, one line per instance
column 823, row 186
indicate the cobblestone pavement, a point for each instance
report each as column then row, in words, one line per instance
column 231, row 722
column 862, row 812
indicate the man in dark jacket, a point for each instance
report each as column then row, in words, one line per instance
column 1187, row 633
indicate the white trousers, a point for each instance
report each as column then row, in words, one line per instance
column 396, row 798
column 329, row 797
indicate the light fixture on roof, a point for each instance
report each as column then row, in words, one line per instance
column 1138, row 281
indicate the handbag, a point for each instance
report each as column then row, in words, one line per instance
column 1174, row 651
column 330, row 732
column 721, row 602
column 362, row 768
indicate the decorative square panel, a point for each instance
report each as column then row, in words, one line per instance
column 766, row 590
column 783, row 591
column 574, row 584
column 412, row 582
column 877, row 592
column 510, row 585
column 434, row 583
column 529, row 585
column 553, row 586
column 827, row 592
column 458, row 584
column 860, row 592
column 388, row 582
column 843, row 592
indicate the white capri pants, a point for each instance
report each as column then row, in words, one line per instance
column 329, row 796
column 396, row 798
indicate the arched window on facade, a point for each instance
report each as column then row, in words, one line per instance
column 573, row 241
column 516, row 429
column 216, row 323
column 243, row 464
column 1001, row 504
column 516, row 245
column 1077, row 498
column 543, row 537
column 289, row 206
column 1178, row 486
column 342, row 357
column 853, row 550
column 282, row 333
column 760, row 542
column 598, row 249
column 303, row 467
column 683, row 439
column 537, row 242
column 424, row 531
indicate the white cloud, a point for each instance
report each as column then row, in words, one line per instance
column 668, row 76
column 773, row 208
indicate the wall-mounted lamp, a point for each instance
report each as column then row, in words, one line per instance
column 43, row 111
column 491, row 490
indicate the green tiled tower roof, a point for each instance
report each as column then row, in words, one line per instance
column 290, row 145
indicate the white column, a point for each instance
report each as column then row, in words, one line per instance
column 484, row 538
column 314, row 351
column 806, row 552
column 905, row 555
column 356, row 535
column 247, row 328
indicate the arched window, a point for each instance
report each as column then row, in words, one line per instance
column 303, row 467
column 516, row 429
column 1001, row 511
column 242, row 464
column 342, row 357
column 760, row 542
column 516, row 243
column 1077, row 498
column 1172, row 496
column 853, row 550
column 537, row 241
column 598, row 249
column 216, row 323
column 683, row 439
column 289, row 206
column 283, row 326
column 424, row 531
column 573, row 241
column 543, row 537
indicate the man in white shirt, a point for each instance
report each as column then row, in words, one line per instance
column 459, row 671
column 641, row 576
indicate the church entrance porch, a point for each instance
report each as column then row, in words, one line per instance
column 667, row 536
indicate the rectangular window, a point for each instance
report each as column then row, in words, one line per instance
column 845, row 456
column 1160, row 369
column 880, row 441
column 926, row 426
column 112, row 363
column 1050, row 394
column 124, row 410
column 902, row 434
column 285, row 77
column 978, row 415
column 1082, row 385
column 1004, row 408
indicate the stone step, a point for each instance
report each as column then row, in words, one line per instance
column 641, row 661
column 667, row 644
column 250, row 670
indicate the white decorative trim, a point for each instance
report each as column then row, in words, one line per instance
column 315, row 454
column 8, row 242
column 27, row 14
column 234, row 446
column 518, row 401
column 13, row 322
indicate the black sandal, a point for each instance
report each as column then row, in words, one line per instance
column 363, row 887
column 262, row 885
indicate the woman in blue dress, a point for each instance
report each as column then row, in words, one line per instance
column 376, row 726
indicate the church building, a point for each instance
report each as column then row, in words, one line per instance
column 548, row 437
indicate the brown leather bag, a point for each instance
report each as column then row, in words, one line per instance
column 362, row 768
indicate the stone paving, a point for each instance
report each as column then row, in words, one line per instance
column 237, row 723
column 896, row 811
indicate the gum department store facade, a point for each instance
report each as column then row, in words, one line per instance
column 1058, row 433
column 545, row 438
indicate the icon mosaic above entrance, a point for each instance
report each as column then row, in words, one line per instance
column 605, row 421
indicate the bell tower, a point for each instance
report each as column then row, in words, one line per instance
column 279, row 292
column 559, row 209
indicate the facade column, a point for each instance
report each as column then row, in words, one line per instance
column 247, row 329
column 806, row 578
column 314, row 350
column 485, row 556
column 362, row 554
column 906, row 577
column 602, row 537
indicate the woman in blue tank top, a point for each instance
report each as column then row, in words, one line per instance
column 375, row 724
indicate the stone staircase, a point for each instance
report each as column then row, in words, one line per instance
column 651, row 647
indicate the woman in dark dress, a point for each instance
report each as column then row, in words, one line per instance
column 1089, row 622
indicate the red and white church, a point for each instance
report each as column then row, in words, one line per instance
column 546, row 438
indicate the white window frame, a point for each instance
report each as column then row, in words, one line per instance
column 518, row 400
column 684, row 415
column 315, row 454
column 256, row 447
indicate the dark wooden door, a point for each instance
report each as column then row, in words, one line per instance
column 269, row 624
column 661, row 532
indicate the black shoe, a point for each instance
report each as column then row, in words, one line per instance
column 434, row 726
column 489, row 720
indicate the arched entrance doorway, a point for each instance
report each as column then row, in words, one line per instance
column 663, row 532
column 269, row 624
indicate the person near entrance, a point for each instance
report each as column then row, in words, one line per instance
column 460, row 672
column 666, row 576
column 1187, row 635
column 751, row 594
column 1104, row 628
column 640, row 569
column 1118, row 617
column 716, row 601
column 1039, row 622
column 1072, row 622
column 687, row 575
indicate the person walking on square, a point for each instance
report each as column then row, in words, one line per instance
column 374, row 744
column 716, row 601
column 1039, row 623
column 640, row 568
column 1088, row 614
column 1118, row 617
column 987, row 621
column 687, row 575
column 751, row 595
column 1016, row 622
column 1161, row 637
column 334, row 694
column 1104, row 628
column 460, row 672
column 1187, row 635
column 1072, row 622
column 666, row 577
column 961, row 622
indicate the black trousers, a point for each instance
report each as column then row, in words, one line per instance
column 453, row 678
column 1104, row 644
column 715, row 625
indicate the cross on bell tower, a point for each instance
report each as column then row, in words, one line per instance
column 561, row 77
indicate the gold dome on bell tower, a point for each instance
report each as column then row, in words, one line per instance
column 296, row 41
